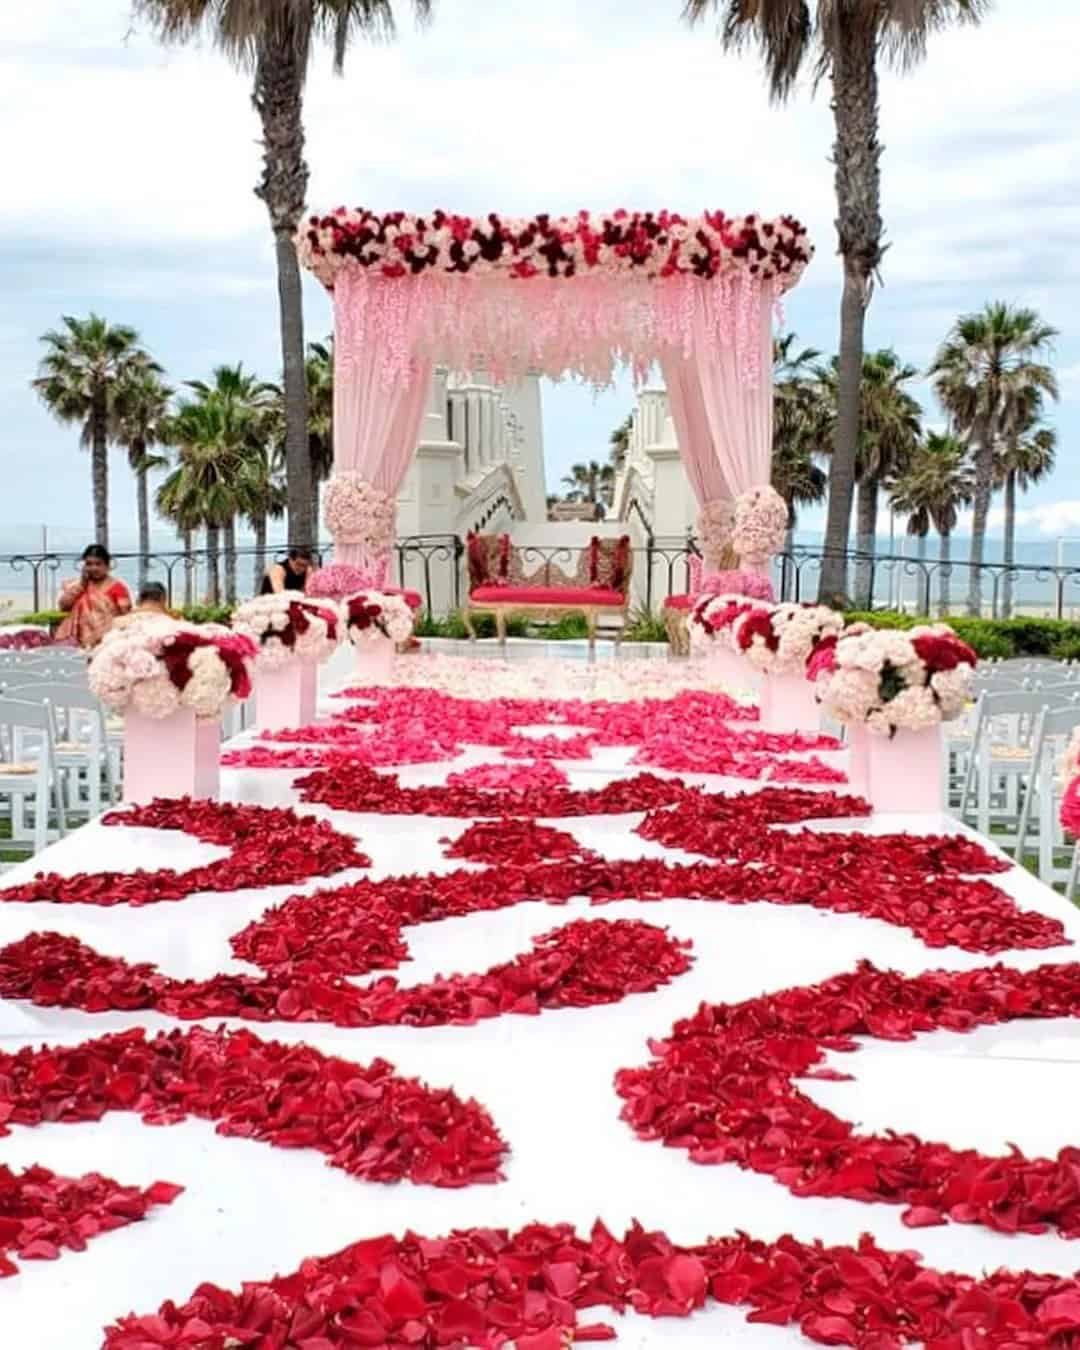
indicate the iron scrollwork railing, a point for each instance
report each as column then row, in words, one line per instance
column 674, row 557
column 433, row 565
column 423, row 550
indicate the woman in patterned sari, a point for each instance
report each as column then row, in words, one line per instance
column 92, row 601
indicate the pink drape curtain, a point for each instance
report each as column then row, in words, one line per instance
column 696, row 445
column 720, row 393
column 376, row 419
column 722, row 414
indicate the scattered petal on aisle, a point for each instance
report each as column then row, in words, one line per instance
column 721, row 1086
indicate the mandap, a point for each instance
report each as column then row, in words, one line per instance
column 576, row 295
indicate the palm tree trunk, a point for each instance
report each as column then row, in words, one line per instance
column 230, row 561
column 187, row 540
column 865, row 541
column 278, row 99
column 99, row 466
column 944, row 572
column 259, row 524
column 984, row 486
column 856, row 155
column 213, row 566
column 1009, row 551
column 142, row 503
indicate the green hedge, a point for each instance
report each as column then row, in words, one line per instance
column 49, row 618
column 1001, row 638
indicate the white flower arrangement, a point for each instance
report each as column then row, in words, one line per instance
column 890, row 680
column 780, row 639
column 286, row 626
column 159, row 666
column 373, row 616
column 713, row 615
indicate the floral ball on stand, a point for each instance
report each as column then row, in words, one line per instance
column 361, row 517
column 286, row 627
column 715, row 525
column 761, row 521
column 893, row 690
column 710, row 624
column 172, row 682
column 377, row 625
column 780, row 641
column 294, row 636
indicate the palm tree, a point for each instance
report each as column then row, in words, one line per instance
column 800, row 430
column 1021, row 463
column 262, row 496
column 986, row 375
column 591, row 482
column 175, row 501
column 247, row 412
column 217, row 432
column 77, row 380
column 936, row 482
column 139, row 413
column 620, row 442
column 275, row 40
column 889, row 430
column 319, row 368
column 843, row 40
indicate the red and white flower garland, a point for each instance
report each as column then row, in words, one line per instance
column 644, row 244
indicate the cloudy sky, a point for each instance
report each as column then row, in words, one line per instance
column 128, row 174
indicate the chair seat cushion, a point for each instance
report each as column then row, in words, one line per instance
column 20, row 769
column 412, row 598
column 678, row 602
column 547, row 595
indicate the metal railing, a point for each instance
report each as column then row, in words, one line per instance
column 934, row 586
column 434, row 565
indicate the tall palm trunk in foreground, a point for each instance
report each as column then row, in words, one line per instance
column 278, row 99
column 842, row 39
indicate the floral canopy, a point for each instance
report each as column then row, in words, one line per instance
column 556, row 295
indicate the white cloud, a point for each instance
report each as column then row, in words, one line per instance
column 1052, row 519
column 130, row 183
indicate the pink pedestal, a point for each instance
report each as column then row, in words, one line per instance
column 374, row 661
column 902, row 774
column 731, row 670
column 177, row 756
column 287, row 696
column 788, row 704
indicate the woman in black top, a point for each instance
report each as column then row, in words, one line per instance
column 291, row 574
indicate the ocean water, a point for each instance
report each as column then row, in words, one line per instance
column 899, row 584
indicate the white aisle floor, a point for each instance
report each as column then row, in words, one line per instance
column 250, row 1211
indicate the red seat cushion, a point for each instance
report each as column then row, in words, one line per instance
column 677, row 602
column 412, row 598
column 546, row 595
